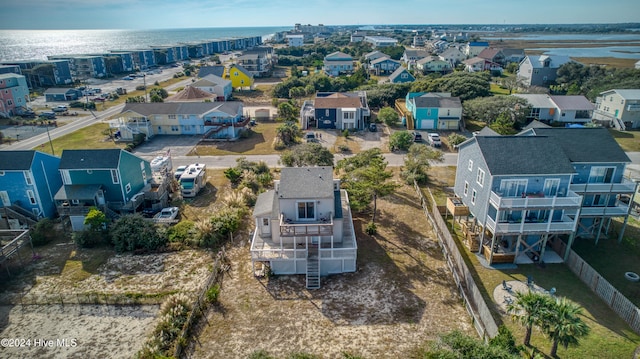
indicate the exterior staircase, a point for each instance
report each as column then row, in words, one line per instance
column 313, row 267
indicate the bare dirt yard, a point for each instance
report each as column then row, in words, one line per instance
column 52, row 297
column 401, row 296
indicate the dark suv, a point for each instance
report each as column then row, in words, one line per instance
column 417, row 137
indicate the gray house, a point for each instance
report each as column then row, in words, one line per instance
column 56, row 94
column 530, row 194
column 540, row 70
column 304, row 226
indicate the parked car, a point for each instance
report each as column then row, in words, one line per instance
column 434, row 139
column 128, row 78
column 60, row 108
column 49, row 115
column 310, row 136
column 167, row 214
column 373, row 127
column 179, row 171
column 417, row 137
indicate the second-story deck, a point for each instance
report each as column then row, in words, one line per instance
column 291, row 228
column 536, row 201
column 625, row 186
column 525, row 226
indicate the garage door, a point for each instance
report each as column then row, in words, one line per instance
column 426, row 125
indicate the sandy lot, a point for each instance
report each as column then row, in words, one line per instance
column 90, row 331
column 401, row 296
column 114, row 331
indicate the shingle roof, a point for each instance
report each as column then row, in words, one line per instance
column 16, row 160
column 556, row 61
column 487, row 131
column 264, row 204
column 211, row 79
column 338, row 100
column 398, row 72
column 90, row 159
column 338, row 56
column 586, row 144
column 536, row 100
column 383, row 59
column 190, row 93
column 629, row 94
column 489, row 53
column 576, row 102
column 241, row 69
column 431, row 100
column 217, row 70
column 182, row 108
column 61, row 90
column 306, row 182
column 536, row 124
column 523, row 155
column 416, row 53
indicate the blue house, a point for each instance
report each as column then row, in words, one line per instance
column 401, row 75
column 108, row 179
column 29, row 180
column 533, row 194
column 336, row 110
column 384, row 66
column 434, row 110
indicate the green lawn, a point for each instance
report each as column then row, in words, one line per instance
column 88, row 137
column 628, row 140
column 497, row 90
column 610, row 336
column 612, row 259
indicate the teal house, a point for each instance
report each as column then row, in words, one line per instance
column 108, row 179
column 434, row 110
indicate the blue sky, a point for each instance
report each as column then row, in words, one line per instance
column 160, row 14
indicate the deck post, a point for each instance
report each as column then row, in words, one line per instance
column 599, row 229
column 544, row 246
column 569, row 243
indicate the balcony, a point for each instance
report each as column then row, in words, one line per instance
column 620, row 209
column 626, row 186
column 291, row 228
column 567, row 224
column 535, row 201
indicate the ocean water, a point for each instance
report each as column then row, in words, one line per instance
column 38, row 44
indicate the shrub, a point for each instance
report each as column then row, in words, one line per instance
column 343, row 148
column 43, row 232
column 371, row 229
column 213, row 293
column 455, row 139
column 132, row 232
column 87, row 239
column 233, row 174
column 183, row 232
column 141, row 87
column 345, row 133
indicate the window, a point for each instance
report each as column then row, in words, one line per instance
column 115, row 178
column 473, row 196
column 175, row 128
column 265, row 221
column 32, row 197
column 513, row 188
column 128, row 187
column 470, row 165
column 326, row 112
column 601, row 174
column 551, row 186
column 466, row 188
column 480, row 177
column 27, row 178
column 306, row 210
column 172, row 117
column 66, row 177
column 348, row 115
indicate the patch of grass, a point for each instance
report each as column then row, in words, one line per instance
column 473, row 126
column 260, row 142
column 628, row 140
column 610, row 336
column 497, row 90
column 88, row 137
column 612, row 259
column 350, row 142
column 607, row 61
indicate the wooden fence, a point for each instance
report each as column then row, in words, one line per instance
column 474, row 302
column 200, row 305
column 608, row 293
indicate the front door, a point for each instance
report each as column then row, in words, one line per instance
column 265, row 227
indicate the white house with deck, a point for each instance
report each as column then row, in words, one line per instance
column 304, row 226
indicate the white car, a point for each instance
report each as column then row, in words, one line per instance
column 167, row 214
column 434, row 139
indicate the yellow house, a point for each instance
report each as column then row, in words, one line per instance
column 240, row 77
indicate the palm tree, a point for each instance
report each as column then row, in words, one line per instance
column 529, row 309
column 564, row 325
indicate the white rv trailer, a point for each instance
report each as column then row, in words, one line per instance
column 192, row 179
